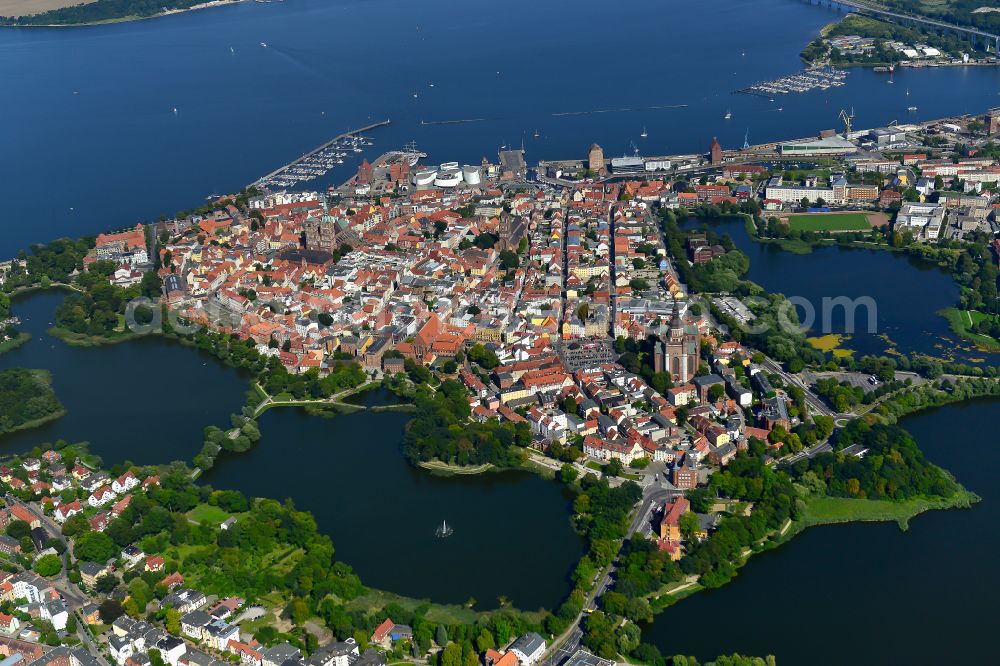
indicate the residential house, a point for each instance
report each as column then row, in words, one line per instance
column 22, row 513
column 279, row 654
column 91, row 571
column 9, row 624
column 342, row 653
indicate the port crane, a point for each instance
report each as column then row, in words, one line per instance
column 848, row 119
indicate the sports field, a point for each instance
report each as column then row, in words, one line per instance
column 829, row 222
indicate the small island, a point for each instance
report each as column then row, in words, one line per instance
column 27, row 399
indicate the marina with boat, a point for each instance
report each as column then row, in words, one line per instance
column 320, row 160
column 813, row 78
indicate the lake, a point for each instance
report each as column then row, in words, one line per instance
column 147, row 400
column 512, row 534
column 93, row 141
column 907, row 293
column 869, row 593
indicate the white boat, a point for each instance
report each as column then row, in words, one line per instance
column 443, row 530
column 729, row 114
column 263, row 45
column 644, row 133
column 911, row 109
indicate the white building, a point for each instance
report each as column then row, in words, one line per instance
column 528, row 648
column 923, row 220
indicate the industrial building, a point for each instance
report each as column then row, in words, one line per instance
column 627, row 165
column 832, row 145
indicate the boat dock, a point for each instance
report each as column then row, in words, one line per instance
column 814, row 78
column 321, row 159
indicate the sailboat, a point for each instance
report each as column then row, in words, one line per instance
column 644, row 132
column 443, row 530
column 907, row 92
column 537, row 134
column 729, row 114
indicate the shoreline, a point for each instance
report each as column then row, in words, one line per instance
column 448, row 469
column 124, row 19
column 45, row 377
column 42, row 420
column 952, row 314
column 15, row 342
column 832, row 511
column 955, row 317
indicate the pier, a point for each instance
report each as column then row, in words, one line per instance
column 305, row 157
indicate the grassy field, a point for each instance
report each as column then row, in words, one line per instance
column 961, row 320
column 30, row 7
column 826, row 510
column 829, row 222
column 206, row 514
column 448, row 614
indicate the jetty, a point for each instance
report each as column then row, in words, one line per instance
column 280, row 175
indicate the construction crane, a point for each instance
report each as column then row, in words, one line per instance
column 848, row 119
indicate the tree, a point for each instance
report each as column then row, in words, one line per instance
column 451, row 655
column 110, row 610
column 614, row 467
column 638, row 284
column 689, row 524
column 94, row 547
column 106, row 583
column 441, row 635
column 300, row 612
column 48, row 565
column 172, row 620
column 18, row 529
column 567, row 474
column 485, row 641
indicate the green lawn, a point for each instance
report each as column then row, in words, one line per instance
column 206, row 514
column 825, row 510
column 448, row 614
column 829, row 222
column 960, row 322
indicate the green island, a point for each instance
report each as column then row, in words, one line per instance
column 27, row 399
